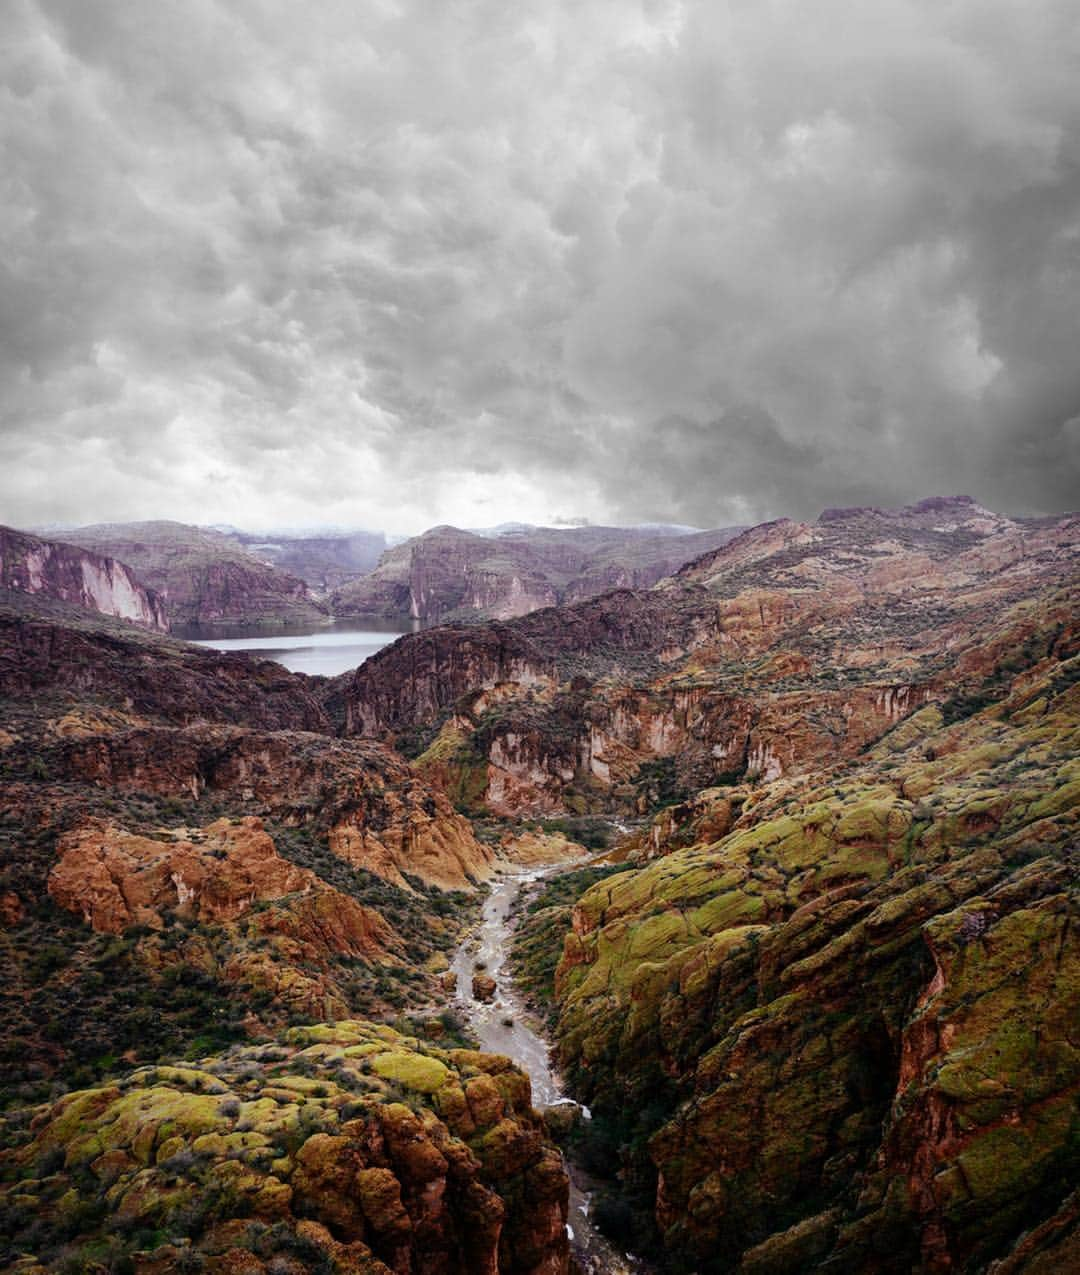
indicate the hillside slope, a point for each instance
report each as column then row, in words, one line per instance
column 831, row 1020
column 189, row 854
column 345, row 1147
column 792, row 644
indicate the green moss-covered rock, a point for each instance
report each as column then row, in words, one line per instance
column 862, row 991
column 300, row 1150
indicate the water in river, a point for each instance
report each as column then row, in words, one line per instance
column 501, row 1028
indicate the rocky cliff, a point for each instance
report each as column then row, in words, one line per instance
column 829, row 1018
column 790, row 644
column 188, row 853
column 821, row 1000
column 202, row 576
column 373, row 811
column 82, row 577
column 57, row 656
column 340, row 1147
column 447, row 572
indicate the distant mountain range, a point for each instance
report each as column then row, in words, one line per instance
column 448, row 573
column 224, row 575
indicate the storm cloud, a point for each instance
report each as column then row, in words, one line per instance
column 400, row 263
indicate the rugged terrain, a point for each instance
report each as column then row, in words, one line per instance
column 822, row 997
column 49, row 570
column 338, row 1148
column 189, row 853
column 203, row 577
column 842, row 1007
column 447, row 573
column 324, row 561
column 789, row 645
column 825, row 1017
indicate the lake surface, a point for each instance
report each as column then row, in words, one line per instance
column 329, row 649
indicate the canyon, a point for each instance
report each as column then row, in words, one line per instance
column 211, row 578
column 817, row 983
column 450, row 573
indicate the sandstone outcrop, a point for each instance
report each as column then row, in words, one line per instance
column 533, row 848
column 274, row 923
column 343, row 1146
column 131, row 766
column 85, row 578
column 117, row 879
column 374, row 811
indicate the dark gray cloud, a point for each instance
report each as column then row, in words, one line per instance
column 409, row 262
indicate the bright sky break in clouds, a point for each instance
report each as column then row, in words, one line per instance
column 392, row 264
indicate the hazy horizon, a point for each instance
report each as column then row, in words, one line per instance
column 408, row 264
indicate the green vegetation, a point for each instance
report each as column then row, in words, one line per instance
column 537, row 941
column 76, row 1003
column 331, row 1133
column 766, row 982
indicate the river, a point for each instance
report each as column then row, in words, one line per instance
column 501, row 1026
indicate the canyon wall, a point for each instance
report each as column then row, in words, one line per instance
column 447, row 573
column 82, row 577
column 792, row 643
column 202, row 576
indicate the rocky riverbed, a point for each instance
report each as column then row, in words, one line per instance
column 501, row 1025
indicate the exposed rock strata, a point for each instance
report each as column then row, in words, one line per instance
column 297, row 1156
column 375, row 812
column 791, row 644
column 202, row 577
column 118, row 880
column 448, row 572
column 85, row 578
column 122, row 753
column 856, row 988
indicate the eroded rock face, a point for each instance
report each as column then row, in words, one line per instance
column 88, row 579
column 853, row 988
column 375, row 812
column 790, row 645
column 277, row 928
column 112, row 788
column 155, row 679
column 116, row 879
column 447, row 572
column 305, row 1149
column 202, row 576
column 533, row 848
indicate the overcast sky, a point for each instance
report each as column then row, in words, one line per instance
column 393, row 264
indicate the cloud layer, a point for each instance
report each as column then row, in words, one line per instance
column 457, row 260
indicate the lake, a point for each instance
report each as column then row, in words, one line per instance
column 329, row 649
